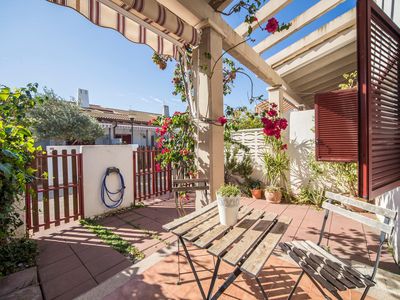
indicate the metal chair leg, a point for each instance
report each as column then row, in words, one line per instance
column 322, row 291
column 262, row 289
column 365, row 293
column 179, row 265
column 295, row 285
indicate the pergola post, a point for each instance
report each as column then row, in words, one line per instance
column 275, row 95
column 209, row 105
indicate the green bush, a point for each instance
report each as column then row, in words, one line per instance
column 229, row 190
column 63, row 120
column 16, row 152
column 17, row 255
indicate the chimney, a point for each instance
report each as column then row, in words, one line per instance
column 165, row 110
column 83, row 98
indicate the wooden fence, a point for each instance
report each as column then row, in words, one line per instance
column 56, row 193
column 147, row 180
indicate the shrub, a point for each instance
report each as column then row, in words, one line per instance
column 229, row 190
column 62, row 120
column 17, row 255
column 16, row 152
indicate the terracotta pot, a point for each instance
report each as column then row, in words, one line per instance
column 256, row 193
column 273, row 197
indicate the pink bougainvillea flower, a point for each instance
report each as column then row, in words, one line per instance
column 222, row 120
column 158, row 130
column 163, row 130
column 272, row 25
column 284, row 147
column 283, row 124
column 165, row 150
column 177, row 113
column 272, row 113
column 158, row 167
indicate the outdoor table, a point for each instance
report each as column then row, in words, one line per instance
column 246, row 246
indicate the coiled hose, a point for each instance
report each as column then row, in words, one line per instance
column 110, row 202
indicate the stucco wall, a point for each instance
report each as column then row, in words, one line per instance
column 300, row 137
column 96, row 159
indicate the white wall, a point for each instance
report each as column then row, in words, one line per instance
column 96, row 159
column 391, row 200
column 300, row 137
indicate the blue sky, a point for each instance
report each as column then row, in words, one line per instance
column 60, row 49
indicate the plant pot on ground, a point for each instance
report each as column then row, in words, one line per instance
column 228, row 198
column 273, row 195
column 255, row 188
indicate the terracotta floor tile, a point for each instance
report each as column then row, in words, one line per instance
column 113, row 270
column 66, row 282
column 52, row 271
column 52, row 252
column 95, row 251
column 102, row 263
column 77, row 290
column 159, row 282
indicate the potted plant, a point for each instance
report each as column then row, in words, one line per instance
column 275, row 159
column 228, row 197
column 255, row 188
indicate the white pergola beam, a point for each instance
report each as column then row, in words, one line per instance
column 299, row 22
column 219, row 4
column 338, row 66
column 325, row 78
column 337, row 44
column 327, row 86
column 242, row 51
column 266, row 12
column 316, row 65
column 343, row 22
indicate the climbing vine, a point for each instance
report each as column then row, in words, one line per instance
column 176, row 133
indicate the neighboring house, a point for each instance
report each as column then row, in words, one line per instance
column 121, row 126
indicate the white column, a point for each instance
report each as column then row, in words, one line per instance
column 209, row 104
column 275, row 95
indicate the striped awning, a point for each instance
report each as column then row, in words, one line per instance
column 140, row 21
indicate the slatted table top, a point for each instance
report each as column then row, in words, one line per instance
column 248, row 244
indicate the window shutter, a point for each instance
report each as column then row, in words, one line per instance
column 379, row 70
column 336, row 126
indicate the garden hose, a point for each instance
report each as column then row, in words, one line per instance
column 111, row 202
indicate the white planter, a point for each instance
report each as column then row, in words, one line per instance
column 228, row 208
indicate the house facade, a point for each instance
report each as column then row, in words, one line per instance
column 121, row 126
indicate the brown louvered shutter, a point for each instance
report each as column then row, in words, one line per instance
column 378, row 69
column 336, row 129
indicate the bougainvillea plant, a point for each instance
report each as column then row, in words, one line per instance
column 251, row 7
column 176, row 144
column 276, row 160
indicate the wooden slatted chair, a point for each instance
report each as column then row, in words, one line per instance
column 187, row 186
column 324, row 269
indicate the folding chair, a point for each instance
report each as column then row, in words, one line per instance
column 326, row 270
column 187, row 186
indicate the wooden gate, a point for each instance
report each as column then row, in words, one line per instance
column 56, row 193
column 147, row 180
